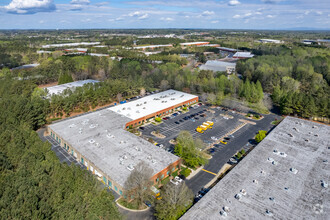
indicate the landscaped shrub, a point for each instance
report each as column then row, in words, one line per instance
column 238, row 155
column 158, row 119
column 242, row 151
column 185, row 171
column 257, row 116
column 184, row 108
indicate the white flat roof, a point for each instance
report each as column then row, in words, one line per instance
column 71, row 44
column 243, row 54
column 153, row 46
column 56, row 90
column 151, row 104
column 193, row 43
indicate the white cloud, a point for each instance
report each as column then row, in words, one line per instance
column 116, row 19
column 270, row 16
column 233, row 2
column 41, row 21
column 214, row 22
column 80, row 2
column 140, row 15
column 319, row 12
column 236, row 16
column 145, row 16
column 258, row 13
column 207, row 13
column 29, row 6
column 166, row 19
column 86, row 20
column 272, row 1
column 248, row 14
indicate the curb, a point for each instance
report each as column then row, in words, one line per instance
column 131, row 210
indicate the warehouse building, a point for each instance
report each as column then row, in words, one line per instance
column 270, row 41
column 58, row 89
column 217, row 65
column 71, row 44
column 194, row 43
column 152, row 46
column 243, row 55
column 156, row 105
column 99, row 139
column 285, row 177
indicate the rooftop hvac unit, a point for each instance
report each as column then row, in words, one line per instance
column 153, row 161
column 149, row 157
column 172, row 98
column 72, row 125
column 118, row 110
column 223, row 213
column 91, row 141
column 124, row 108
column 226, row 209
column 293, row 170
column 144, row 107
column 124, row 157
column 137, row 111
column 130, row 167
column 270, row 159
column 181, row 96
column 122, row 162
column 324, row 184
column 92, row 126
column 129, row 108
column 238, row 196
column 243, row 191
column 269, row 213
column 316, row 135
column 145, row 102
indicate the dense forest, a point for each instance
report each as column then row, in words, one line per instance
column 34, row 184
column 298, row 79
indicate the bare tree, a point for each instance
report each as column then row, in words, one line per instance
column 142, row 92
column 119, row 97
column 164, row 85
column 138, row 183
column 175, row 200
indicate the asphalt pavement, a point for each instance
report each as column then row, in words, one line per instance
column 222, row 156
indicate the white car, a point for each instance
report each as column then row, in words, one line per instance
column 174, row 182
column 178, row 179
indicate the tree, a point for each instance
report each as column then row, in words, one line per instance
column 189, row 149
column 260, row 136
column 137, row 186
column 176, row 199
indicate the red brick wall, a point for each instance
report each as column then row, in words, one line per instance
column 164, row 171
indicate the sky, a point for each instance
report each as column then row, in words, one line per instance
column 223, row 14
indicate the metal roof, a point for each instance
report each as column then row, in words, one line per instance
column 284, row 177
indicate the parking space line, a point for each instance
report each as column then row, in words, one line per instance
column 209, row 172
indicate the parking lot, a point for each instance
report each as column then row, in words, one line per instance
column 221, row 153
column 190, row 121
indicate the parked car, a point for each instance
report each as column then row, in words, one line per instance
column 164, row 118
column 211, row 151
column 232, row 160
column 196, row 118
column 214, row 138
column 180, row 120
column 147, row 203
column 227, row 138
column 178, row 179
column 223, row 142
column 142, row 128
column 174, row 182
column 177, row 122
column 185, row 118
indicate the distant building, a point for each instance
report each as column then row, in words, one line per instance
column 226, row 49
column 243, row 55
column 98, row 55
column 26, row 66
column 216, row 65
column 209, row 45
column 194, row 43
column 152, row 46
column 151, row 53
column 43, row 51
column 71, row 44
column 58, row 89
column 79, row 50
column 286, row 176
column 270, row 41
